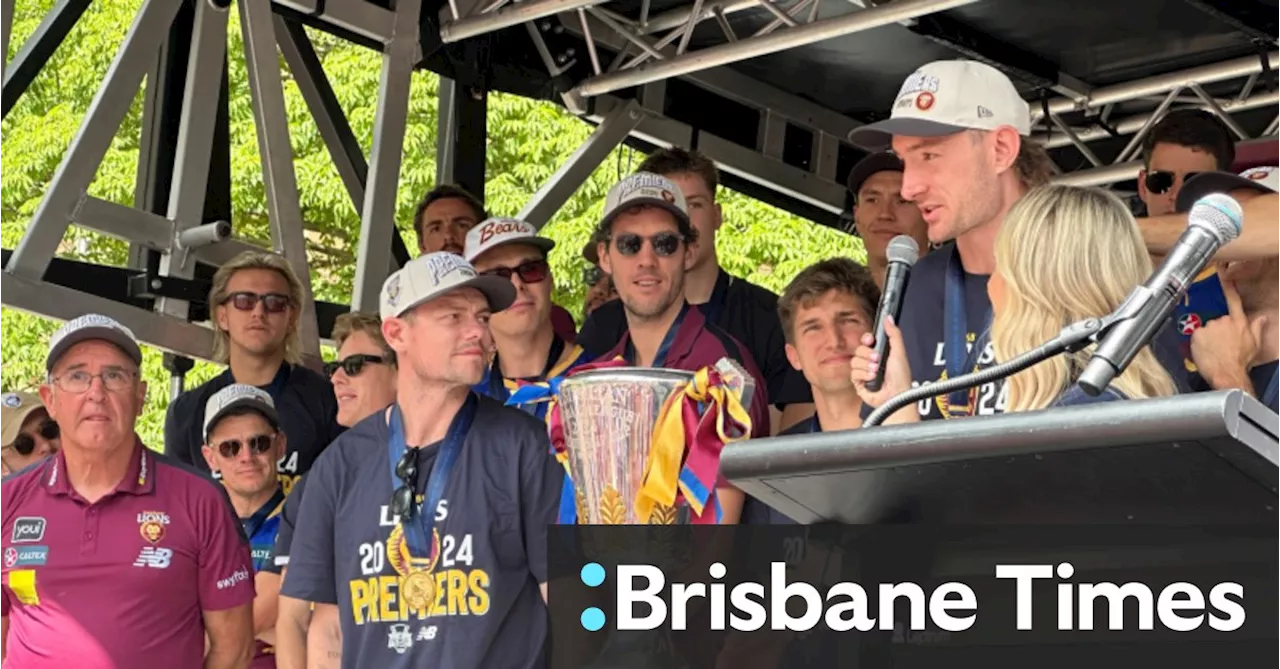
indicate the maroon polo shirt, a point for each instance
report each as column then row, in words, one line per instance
column 122, row 582
column 699, row 344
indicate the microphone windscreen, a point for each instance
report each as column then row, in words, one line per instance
column 1219, row 215
column 903, row 249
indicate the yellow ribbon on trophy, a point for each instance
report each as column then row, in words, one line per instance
column 684, row 454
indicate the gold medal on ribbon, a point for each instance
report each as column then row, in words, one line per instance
column 419, row 590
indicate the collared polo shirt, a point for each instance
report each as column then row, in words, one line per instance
column 740, row 308
column 121, row 582
column 699, row 344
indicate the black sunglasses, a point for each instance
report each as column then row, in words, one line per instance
column 665, row 244
column 533, row 271
column 352, row 364
column 592, row 275
column 1159, row 181
column 407, row 471
column 272, row 303
column 258, row 444
column 25, row 444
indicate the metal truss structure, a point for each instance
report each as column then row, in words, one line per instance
column 628, row 70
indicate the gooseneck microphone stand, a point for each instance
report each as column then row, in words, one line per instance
column 1071, row 339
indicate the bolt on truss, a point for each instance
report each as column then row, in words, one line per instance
column 180, row 236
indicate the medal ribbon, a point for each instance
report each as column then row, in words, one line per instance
column 418, row 530
column 959, row 360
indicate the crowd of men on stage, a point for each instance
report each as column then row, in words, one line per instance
column 395, row 510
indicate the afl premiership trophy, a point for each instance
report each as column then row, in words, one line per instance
column 641, row 446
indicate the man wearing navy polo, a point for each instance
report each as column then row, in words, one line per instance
column 113, row 556
column 242, row 442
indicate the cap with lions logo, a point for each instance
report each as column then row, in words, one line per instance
column 646, row 189
column 945, row 97
column 237, row 396
column 497, row 232
column 433, row 274
column 1259, row 179
column 88, row 327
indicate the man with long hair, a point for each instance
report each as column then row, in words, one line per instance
column 426, row 523
column 117, row 557
column 255, row 302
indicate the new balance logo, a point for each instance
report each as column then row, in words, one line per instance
column 238, row 576
column 156, row 558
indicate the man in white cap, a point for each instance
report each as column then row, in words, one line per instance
column 29, row 434
column 242, row 442
column 963, row 134
column 427, row 527
column 114, row 556
column 1239, row 349
column 528, row 348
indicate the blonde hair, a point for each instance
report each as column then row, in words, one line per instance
column 218, row 294
column 1066, row 254
column 362, row 321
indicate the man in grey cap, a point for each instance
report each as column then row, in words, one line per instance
column 120, row 558
column 426, row 523
column 879, row 211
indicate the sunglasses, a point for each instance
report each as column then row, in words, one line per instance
column 25, row 444
column 665, row 244
column 257, row 444
column 533, row 271
column 1159, row 181
column 352, row 364
column 272, row 303
column 592, row 275
column 407, row 471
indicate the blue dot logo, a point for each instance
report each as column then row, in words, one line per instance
column 592, row 619
column 592, row 574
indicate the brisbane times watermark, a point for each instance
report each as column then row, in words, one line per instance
column 820, row 594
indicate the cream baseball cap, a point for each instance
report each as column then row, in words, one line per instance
column 497, row 232
column 945, row 97
column 431, row 275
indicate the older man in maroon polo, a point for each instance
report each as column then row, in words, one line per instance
column 113, row 557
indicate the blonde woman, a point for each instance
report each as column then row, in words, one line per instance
column 1063, row 254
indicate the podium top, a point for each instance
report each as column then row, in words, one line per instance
column 1201, row 458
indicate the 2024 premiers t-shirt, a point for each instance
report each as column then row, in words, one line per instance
column 490, row 548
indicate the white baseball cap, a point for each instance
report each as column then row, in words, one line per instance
column 496, row 232
column 433, row 274
column 1261, row 179
column 91, row 326
column 234, row 396
column 945, row 97
column 645, row 188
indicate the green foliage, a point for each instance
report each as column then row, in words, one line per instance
column 528, row 141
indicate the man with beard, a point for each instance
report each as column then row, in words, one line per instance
column 644, row 244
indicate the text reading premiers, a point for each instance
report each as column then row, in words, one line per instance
column 488, row 550
column 121, row 582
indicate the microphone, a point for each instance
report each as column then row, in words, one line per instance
column 1214, row 220
column 902, row 253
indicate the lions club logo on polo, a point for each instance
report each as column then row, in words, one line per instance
column 151, row 525
column 1189, row 323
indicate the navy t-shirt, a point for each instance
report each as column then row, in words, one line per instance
column 491, row 551
column 746, row 311
column 304, row 400
column 923, row 325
